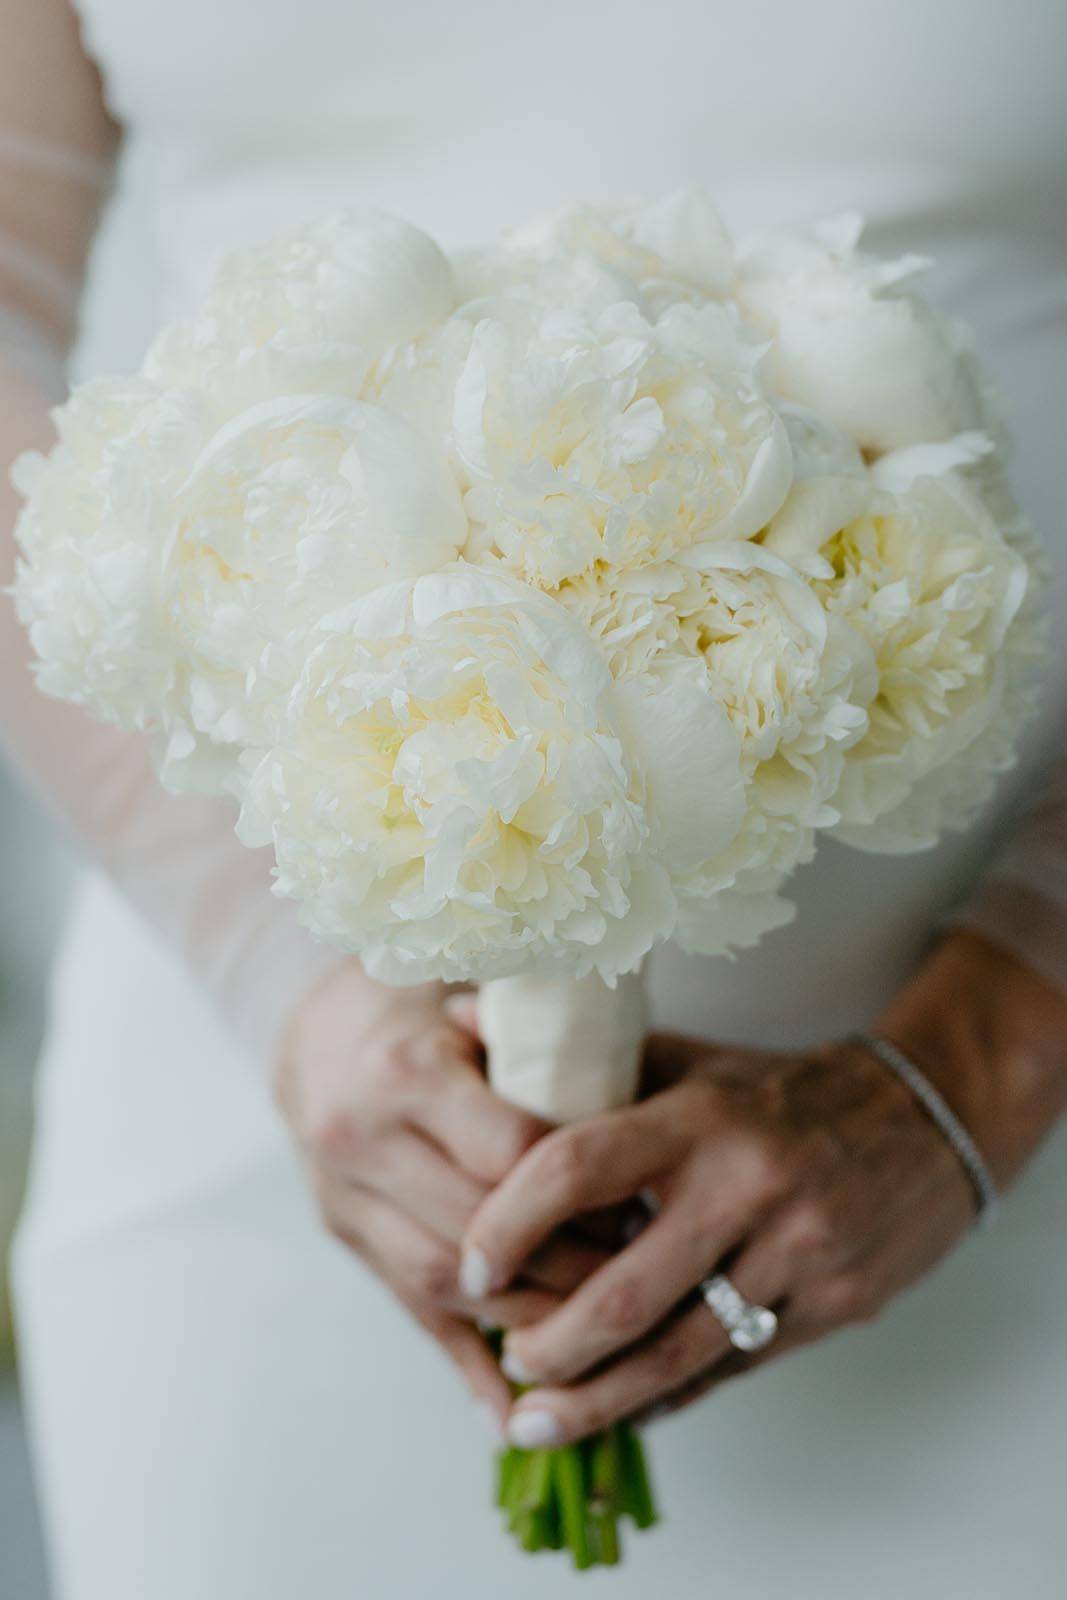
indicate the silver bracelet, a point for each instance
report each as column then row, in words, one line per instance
column 942, row 1114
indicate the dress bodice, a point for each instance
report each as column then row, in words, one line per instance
column 466, row 116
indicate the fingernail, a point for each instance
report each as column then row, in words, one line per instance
column 492, row 1420
column 513, row 1367
column 475, row 1274
column 533, row 1430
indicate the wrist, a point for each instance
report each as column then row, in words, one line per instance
column 990, row 1035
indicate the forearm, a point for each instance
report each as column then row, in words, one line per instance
column 176, row 859
column 1021, row 903
column 992, row 1035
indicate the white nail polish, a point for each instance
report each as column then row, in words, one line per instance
column 475, row 1274
column 533, row 1430
column 491, row 1419
column 513, row 1367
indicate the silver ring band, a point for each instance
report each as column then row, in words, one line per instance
column 943, row 1117
column 748, row 1327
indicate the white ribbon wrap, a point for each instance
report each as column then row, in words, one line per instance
column 564, row 1048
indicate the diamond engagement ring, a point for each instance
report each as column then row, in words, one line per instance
column 748, row 1327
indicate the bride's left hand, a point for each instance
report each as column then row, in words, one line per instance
column 814, row 1178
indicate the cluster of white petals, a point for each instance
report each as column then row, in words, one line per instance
column 456, row 764
column 546, row 604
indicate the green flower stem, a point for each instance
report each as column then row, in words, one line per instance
column 638, row 1491
column 507, row 1464
column 569, row 1476
column 538, row 1482
column 604, row 1499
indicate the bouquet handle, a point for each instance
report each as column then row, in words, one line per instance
column 566, row 1049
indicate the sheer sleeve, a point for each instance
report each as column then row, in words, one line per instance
column 176, row 859
column 1022, row 901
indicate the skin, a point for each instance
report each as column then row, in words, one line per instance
column 814, row 1177
column 402, row 1141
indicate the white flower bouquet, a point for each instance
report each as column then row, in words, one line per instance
column 543, row 605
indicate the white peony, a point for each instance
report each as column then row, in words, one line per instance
column 187, row 565
column 308, row 312
column 291, row 503
column 930, row 582
column 454, row 793
column 656, row 255
column 791, row 680
column 851, row 343
column 94, row 535
column 614, row 439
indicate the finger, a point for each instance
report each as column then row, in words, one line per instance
column 419, row 1264
column 515, row 1308
column 474, row 1361
column 425, row 1184
column 575, row 1169
column 677, row 1352
column 632, row 1292
column 564, row 1263
column 482, row 1133
column 736, row 1364
column 552, row 1416
column 422, row 1267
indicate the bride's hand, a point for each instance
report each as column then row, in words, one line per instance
column 402, row 1139
column 814, row 1178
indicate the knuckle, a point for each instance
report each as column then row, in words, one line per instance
column 591, row 1414
column 702, row 1226
column 511, row 1140
column 812, row 1231
column 707, row 1099
column 333, row 1219
column 768, row 1167
column 394, row 1067
column 673, row 1357
column 431, row 1276
column 850, row 1299
column 335, row 1135
column 563, row 1162
column 621, row 1307
column 522, row 1134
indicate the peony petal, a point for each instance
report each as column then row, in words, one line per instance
column 815, row 509
column 765, row 488
column 687, row 232
column 897, row 471
column 689, row 754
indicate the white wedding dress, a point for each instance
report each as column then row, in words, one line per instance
column 224, row 1405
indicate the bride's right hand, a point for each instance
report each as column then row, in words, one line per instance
column 403, row 1139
